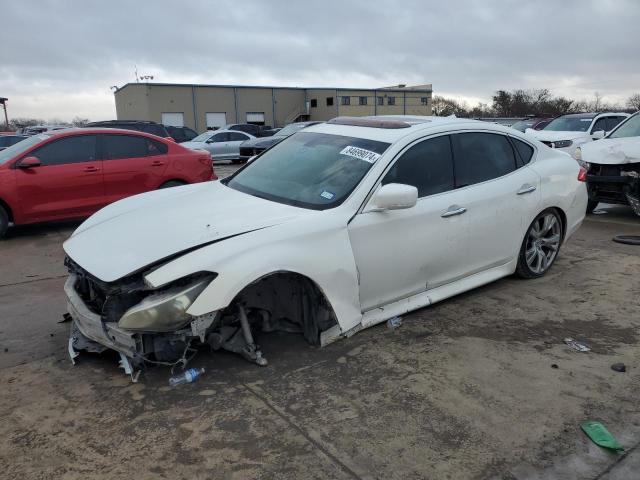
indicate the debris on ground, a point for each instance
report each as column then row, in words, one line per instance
column 600, row 435
column 627, row 239
column 188, row 376
column 619, row 367
column 66, row 317
column 599, row 212
column 394, row 323
column 554, row 365
column 580, row 347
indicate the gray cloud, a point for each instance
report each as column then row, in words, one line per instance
column 60, row 58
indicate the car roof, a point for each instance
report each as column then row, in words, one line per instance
column 409, row 124
column 103, row 130
column 124, row 122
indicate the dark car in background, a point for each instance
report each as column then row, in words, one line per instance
column 138, row 125
column 181, row 134
column 9, row 139
column 251, row 129
column 536, row 123
column 256, row 146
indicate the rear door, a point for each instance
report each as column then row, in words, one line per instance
column 500, row 195
column 68, row 183
column 233, row 144
column 132, row 164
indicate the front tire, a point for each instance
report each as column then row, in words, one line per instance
column 4, row 221
column 591, row 205
column 541, row 245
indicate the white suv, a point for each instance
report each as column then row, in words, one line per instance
column 568, row 132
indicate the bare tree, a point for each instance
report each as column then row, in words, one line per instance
column 633, row 102
column 79, row 122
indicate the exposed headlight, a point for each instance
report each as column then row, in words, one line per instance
column 562, row 143
column 164, row 311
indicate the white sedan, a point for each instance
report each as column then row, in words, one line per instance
column 568, row 132
column 335, row 229
column 221, row 144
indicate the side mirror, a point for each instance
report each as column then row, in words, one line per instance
column 29, row 162
column 598, row 135
column 394, row 196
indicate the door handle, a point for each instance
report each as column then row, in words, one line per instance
column 453, row 210
column 526, row 188
column 91, row 169
column 157, row 163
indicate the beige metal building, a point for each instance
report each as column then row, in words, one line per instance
column 203, row 107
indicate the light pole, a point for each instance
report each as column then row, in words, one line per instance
column 3, row 101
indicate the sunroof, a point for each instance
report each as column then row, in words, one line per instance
column 369, row 122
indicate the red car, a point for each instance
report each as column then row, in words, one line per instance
column 72, row 173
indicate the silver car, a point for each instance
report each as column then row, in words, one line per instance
column 222, row 144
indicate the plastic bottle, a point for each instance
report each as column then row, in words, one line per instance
column 394, row 323
column 188, row 376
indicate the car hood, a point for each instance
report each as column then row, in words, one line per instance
column 133, row 233
column 552, row 136
column 264, row 142
column 612, row 151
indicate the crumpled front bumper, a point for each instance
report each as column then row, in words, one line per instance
column 91, row 326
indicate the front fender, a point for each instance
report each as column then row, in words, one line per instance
column 322, row 255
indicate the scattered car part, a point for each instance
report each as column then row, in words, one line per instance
column 580, row 347
column 627, row 239
column 394, row 323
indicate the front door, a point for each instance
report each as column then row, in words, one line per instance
column 218, row 146
column 67, row 184
column 235, row 139
column 400, row 253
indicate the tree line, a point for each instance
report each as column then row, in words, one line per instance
column 521, row 103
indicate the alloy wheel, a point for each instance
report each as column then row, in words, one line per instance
column 543, row 242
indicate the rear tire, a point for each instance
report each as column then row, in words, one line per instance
column 4, row 221
column 541, row 245
column 172, row 183
column 591, row 205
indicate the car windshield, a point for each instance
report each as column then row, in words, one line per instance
column 569, row 124
column 20, row 147
column 203, row 137
column 630, row 128
column 522, row 125
column 309, row 170
column 289, row 130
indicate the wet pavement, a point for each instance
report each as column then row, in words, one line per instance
column 464, row 389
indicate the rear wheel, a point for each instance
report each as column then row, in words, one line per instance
column 591, row 205
column 540, row 245
column 172, row 183
column 4, row 221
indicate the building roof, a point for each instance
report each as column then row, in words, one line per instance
column 426, row 88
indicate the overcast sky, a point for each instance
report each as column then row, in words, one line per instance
column 59, row 58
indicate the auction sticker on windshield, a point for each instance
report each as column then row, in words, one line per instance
column 361, row 153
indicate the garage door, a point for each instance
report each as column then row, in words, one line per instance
column 216, row 120
column 257, row 118
column 173, row 119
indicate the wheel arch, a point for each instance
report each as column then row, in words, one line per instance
column 8, row 209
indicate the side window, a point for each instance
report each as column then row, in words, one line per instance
column 220, row 137
column 479, row 157
column 124, row 146
column 525, row 151
column 237, row 137
column 428, row 166
column 601, row 124
column 81, row 148
column 190, row 134
column 612, row 122
column 156, row 148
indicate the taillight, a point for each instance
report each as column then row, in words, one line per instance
column 582, row 175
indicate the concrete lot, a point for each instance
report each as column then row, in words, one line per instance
column 463, row 389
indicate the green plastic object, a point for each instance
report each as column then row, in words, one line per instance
column 600, row 435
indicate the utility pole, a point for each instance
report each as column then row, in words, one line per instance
column 3, row 102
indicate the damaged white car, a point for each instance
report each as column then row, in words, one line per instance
column 613, row 166
column 568, row 132
column 333, row 230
